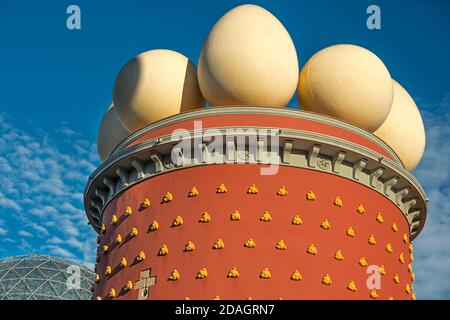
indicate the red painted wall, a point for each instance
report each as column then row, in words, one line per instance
column 250, row 262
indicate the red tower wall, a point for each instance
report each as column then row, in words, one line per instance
column 250, row 261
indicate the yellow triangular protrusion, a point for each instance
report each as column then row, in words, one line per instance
column 219, row 244
column 266, row 217
column 128, row 211
column 380, row 218
column 405, row 238
column 235, row 216
column 250, row 243
column 178, row 221
column 373, row 294
column 205, row 218
column 338, row 202
column 401, row 258
column 363, row 262
column 105, row 248
column 167, row 197
column 108, row 270
column 175, row 275
column 311, row 196
column 296, row 276
column 413, row 276
column 411, row 257
column 360, row 209
column 112, row 293
column 163, row 251
column 202, row 273
column 114, row 219
column 408, row 289
column 312, row 249
column 413, row 296
column 154, row 226
column 146, row 203
column 252, row 189
column 411, row 249
column 410, row 268
column 372, row 240
column 118, row 239
column 193, row 192
column 282, row 191
column 326, row 280
column 281, row 245
column 190, row 246
column 97, row 278
column 123, row 262
column 351, row 232
column 382, row 270
column 396, row 278
column 233, row 273
column 103, row 228
column 141, row 256
column 338, row 255
column 325, row 225
column 352, row 286
column 394, row 227
column 297, row 220
column 389, row 248
column 265, row 274
column 221, row 188
column 129, row 286
column 134, row 232
column 216, row 297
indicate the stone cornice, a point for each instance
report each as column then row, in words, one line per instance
column 228, row 110
column 302, row 149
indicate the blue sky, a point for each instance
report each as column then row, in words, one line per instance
column 55, row 85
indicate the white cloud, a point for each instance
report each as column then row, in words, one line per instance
column 25, row 234
column 42, row 179
column 432, row 252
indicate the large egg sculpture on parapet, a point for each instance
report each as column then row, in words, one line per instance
column 403, row 129
column 248, row 58
column 110, row 134
column 154, row 85
column 347, row 82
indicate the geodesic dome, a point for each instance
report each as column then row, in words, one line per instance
column 41, row 277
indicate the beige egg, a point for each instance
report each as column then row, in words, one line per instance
column 110, row 134
column 248, row 58
column 154, row 85
column 403, row 129
column 347, row 82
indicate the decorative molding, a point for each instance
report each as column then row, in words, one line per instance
column 302, row 149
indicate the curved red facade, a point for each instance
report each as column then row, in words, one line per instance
column 303, row 233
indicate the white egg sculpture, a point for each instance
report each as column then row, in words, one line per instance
column 347, row 82
column 403, row 130
column 154, row 85
column 248, row 58
column 110, row 134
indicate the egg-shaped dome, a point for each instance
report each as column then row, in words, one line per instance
column 248, row 58
column 153, row 85
column 347, row 82
column 110, row 133
column 41, row 277
column 403, row 129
